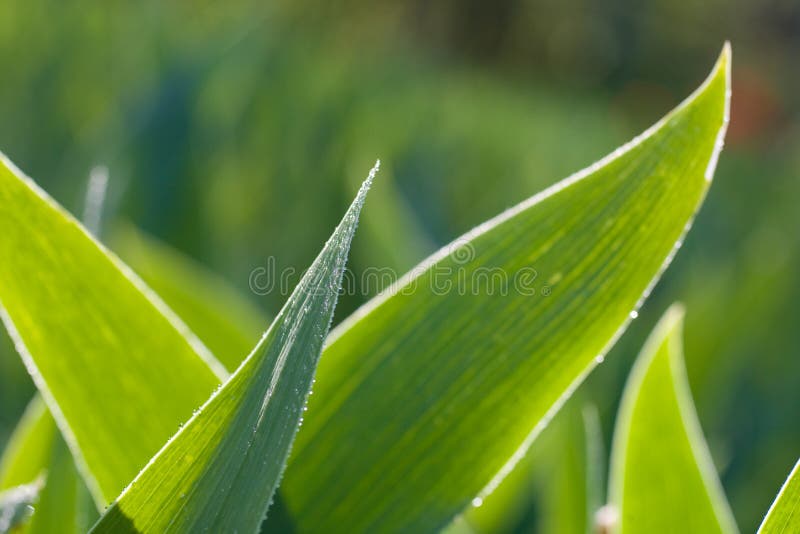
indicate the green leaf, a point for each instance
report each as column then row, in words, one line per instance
column 784, row 514
column 203, row 300
column 662, row 476
column 118, row 371
column 28, row 451
column 428, row 395
column 557, row 487
column 16, row 505
column 220, row 472
column 65, row 504
column 571, row 488
column 37, row 453
column 228, row 324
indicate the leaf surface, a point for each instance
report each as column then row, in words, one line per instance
column 220, row 472
column 117, row 369
column 784, row 514
column 203, row 301
column 662, row 476
column 557, row 487
column 428, row 395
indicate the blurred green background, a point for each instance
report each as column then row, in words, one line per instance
column 239, row 131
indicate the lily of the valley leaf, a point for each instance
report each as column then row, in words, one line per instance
column 221, row 470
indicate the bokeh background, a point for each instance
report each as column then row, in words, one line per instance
column 237, row 131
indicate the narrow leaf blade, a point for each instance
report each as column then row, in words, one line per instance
column 784, row 514
column 662, row 476
column 427, row 396
column 220, row 472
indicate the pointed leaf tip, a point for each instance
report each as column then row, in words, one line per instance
column 478, row 371
column 658, row 437
column 220, row 471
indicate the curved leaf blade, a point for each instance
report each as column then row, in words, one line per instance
column 418, row 385
column 203, row 301
column 220, row 472
column 117, row 369
column 662, row 476
column 784, row 514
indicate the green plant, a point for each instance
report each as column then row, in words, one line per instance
column 425, row 399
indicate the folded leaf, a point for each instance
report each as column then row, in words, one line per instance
column 220, row 472
column 662, row 476
column 784, row 514
column 116, row 368
column 428, row 395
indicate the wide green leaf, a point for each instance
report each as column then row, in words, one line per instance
column 784, row 514
column 662, row 476
column 118, row 371
column 220, row 472
column 428, row 395
column 203, row 301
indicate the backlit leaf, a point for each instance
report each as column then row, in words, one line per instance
column 784, row 514
column 220, row 472
column 662, row 476
column 428, row 395
column 118, row 371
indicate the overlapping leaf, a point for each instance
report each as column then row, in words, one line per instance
column 662, row 476
column 203, row 301
column 116, row 368
column 65, row 505
column 556, row 488
column 431, row 390
column 220, row 472
column 784, row 514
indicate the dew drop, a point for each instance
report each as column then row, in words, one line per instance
column 600, row 359
column 477, row 502
column 634, row 314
